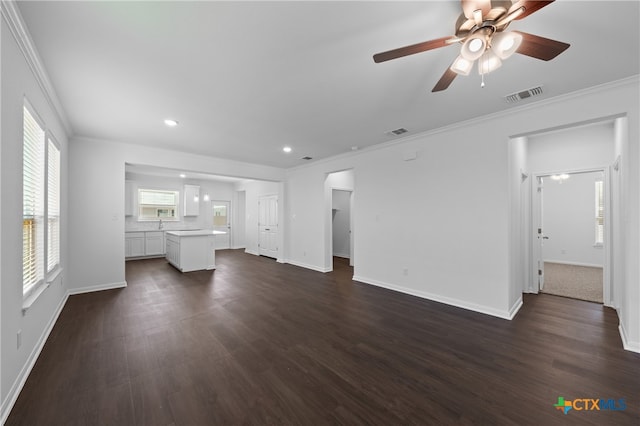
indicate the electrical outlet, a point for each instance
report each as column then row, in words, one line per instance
column 19, row 338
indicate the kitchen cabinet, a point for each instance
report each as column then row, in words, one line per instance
column 144, row 243
column 192, row 250
column 134, row 244
column 191, row 200
column 153, row 243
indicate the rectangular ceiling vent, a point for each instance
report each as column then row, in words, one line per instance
column 517, row 97
column 306, row 158
column 397, row 132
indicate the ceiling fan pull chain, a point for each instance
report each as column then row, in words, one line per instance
column 482, row 83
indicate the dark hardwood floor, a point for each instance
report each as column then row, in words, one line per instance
column 257, row 342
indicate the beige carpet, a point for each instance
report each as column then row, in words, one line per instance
column 578, row 282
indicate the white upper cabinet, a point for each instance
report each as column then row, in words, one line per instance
column 191, row 200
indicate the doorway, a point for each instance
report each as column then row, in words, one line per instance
column 342, row 241
column 268, row 226
column 569, row 234
column 222, row 222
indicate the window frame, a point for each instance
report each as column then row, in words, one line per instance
column 158, row 206
column 41, row 248
column 37, row 219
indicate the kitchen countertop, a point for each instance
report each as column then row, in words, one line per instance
column 195, row 233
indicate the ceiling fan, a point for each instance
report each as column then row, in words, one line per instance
column 481, row 31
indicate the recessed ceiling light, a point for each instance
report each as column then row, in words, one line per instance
column 182, row 175
column 287, row 149
column 170, row 123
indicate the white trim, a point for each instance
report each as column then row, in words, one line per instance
column 307, row 266
column 342, row 255
column 91, row 289
column 508, row 315
column 564, row 262
column 18, row 384
column 626, row 343
column 515, row 308
column 18, row 28
column 248, row 251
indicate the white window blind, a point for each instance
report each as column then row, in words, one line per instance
column 157, row 204
column 32, row 203
column 599, row 212
column 53, row 205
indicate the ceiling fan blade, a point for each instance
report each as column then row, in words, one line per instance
column 445, row 80
column 469, row 6
column 540, row 47
column 411, row 50
column 530, row 6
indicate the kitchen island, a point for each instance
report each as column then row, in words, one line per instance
column 192, row 250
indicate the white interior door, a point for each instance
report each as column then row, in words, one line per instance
column 222, row 222
column 538, row 230
column 268, row 226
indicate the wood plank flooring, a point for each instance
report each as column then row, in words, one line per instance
column 262, row 343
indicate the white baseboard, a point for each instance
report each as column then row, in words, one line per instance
column 443, row 299
column 255, row 253
column 91, row 289
column 18, row 384
column 342, row 255
column 515, row 308
column 626, row 343
column 307, row 266
column 564, row 262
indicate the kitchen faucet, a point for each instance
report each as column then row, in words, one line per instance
column 160, row 224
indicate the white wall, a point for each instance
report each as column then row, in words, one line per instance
column 574, row 148
column 19, row 82
column 341, row 219
column 569, row 220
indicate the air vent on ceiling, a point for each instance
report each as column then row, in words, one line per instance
column 306, row 158
column 517, row 97
column 397, row 132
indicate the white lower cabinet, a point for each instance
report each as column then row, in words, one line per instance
column 191, row 253
column 154, row 243
column 173, row 250
column 134, row 244
column 144, row 243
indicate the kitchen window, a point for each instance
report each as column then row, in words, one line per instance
column 154, row 204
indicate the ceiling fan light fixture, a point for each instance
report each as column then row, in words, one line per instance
column 474, row 47
column 461, row 66
column 506, row 44
column 488, row 62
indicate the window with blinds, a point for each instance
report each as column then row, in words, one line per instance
column 156, row 204
column 599, row 212
column 33, row 203
column 53, row 205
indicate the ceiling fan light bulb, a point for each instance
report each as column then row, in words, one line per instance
column 462, row 66
column 506, row 44
column 473, row 48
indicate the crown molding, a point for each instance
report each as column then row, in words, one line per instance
column 631, row 80
column 18, row 28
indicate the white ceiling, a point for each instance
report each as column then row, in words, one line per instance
column 245, row 79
